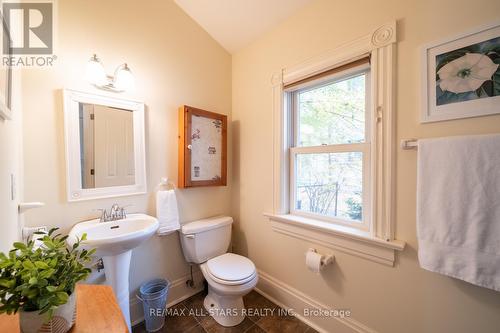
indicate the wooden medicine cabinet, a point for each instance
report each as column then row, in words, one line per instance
column 202, row 148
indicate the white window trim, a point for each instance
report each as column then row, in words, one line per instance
column 378, row 243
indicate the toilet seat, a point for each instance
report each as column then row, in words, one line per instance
column 231, row 269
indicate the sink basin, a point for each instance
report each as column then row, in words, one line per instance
column 115, row 237
column 114, row 242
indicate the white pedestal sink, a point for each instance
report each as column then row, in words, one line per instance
column 114, row 242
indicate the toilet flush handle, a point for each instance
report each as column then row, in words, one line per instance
column 190, row 236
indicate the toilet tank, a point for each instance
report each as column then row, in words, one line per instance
column 205, row 239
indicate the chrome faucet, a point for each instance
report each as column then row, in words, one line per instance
column 116, row 213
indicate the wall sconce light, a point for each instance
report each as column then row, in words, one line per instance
column 122, row 79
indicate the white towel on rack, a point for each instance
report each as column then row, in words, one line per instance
column 458, row 208
column 167, row 212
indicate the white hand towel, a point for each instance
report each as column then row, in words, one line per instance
column 458, row 208
column 167, row 212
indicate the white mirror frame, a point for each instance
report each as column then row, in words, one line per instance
column 75, row 191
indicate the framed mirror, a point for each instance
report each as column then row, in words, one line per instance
column 105, row 146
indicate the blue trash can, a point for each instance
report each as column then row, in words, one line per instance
column 153, row 295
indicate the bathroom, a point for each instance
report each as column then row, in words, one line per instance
column 239, row 59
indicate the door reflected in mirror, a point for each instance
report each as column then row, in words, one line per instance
column 106, row 146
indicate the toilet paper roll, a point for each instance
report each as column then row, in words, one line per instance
column 313, row 261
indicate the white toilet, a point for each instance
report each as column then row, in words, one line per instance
column 229, row 276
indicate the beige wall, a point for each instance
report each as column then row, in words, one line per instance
column 400, row 299
column 174, row 62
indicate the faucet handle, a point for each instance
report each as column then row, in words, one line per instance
column 104, row 214
column 115, row 212
column 123, row 212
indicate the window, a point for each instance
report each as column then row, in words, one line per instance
column 334, row 148
column 330, row 147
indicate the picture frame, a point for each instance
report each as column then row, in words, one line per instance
column 202, row 148
column 6, row 76
column 461, row 75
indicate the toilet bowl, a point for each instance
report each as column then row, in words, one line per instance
column 229, row 276
column 226, row 287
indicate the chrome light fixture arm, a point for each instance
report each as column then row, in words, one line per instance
column 120, row 81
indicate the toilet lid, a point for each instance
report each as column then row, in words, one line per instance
column 231, row 267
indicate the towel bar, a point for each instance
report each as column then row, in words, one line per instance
column 408, row 144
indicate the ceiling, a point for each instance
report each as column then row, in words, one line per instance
column 236, row 23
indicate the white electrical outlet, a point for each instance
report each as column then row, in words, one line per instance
column 28, row 232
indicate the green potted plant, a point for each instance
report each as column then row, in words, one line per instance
column 38, row 279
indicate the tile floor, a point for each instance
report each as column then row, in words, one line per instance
column 193, row 318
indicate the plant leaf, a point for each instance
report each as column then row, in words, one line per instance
column 53, row 262
column 51, row 289
column 19, row 246
column 62, row 296
column 42, row 283
column 41, row 265
column 28, row 264
column 6, row 264
column 46, row 273
column 30, row 293
column 83, row 254
column 6, row 283
column 51, row 231
column 43, row 301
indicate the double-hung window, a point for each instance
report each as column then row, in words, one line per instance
column 330, row 146
column 334, row 148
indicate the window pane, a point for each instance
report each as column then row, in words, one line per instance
column 333, row 113
column 330, row 184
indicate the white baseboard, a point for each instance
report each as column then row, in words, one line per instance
column 178, row 292
column 290, row 298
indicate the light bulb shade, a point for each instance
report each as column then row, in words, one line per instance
column 95, row 73
column 124, row 80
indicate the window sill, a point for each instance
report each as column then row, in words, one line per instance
column 345, row 239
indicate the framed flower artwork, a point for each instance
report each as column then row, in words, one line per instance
column 461, row 76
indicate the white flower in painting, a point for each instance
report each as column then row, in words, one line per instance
column 466, row 73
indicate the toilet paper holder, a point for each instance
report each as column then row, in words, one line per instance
column 326, row 259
